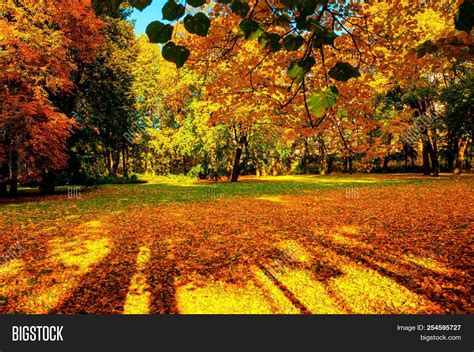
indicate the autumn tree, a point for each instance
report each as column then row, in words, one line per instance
column 39, row 43
column 105, row 104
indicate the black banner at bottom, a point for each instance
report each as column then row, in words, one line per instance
column 292, row 333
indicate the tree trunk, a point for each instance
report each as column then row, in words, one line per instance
column 115, row 163
column 258, row 170
column 460, row 156
column 274, row 167
column 124, row 162
column 433, row 154
column 350, row 164
column 405, row 147
column 108, row 162
column 305, row 157
column 452, row 151
column 236, row 167
column 14, row 175
column 426, row 159
column 385, row 164
column 4, row 178
column 323, row 165
column 435, row 159
column 48, row 180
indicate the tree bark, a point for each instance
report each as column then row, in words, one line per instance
column 124, row 162
column 108, row 162
column 14, row 175
column 258, row 170
column 433, row 154
column 426, row 159
column 4, row 178
column 48, row 180
column 323, row 165
column 460, row 156
column 115, row 162
column 405, row 148
column 350, row 164
column 450, row 155
column 385, row 164
column 274, row 167
column 330, row 161
column 305, row 157
column 236, row 167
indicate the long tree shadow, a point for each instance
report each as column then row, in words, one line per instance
column 161, row 274
column 104, row 288
column 410, row 276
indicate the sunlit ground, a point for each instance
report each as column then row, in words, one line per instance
column 289, row 245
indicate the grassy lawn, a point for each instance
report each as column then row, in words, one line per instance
column 288, row 244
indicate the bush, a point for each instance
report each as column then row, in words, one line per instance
column 196, row 171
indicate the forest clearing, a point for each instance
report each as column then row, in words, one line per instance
column 292, row 244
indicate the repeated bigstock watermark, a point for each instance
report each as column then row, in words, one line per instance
column 414, row 133
column 13, row 252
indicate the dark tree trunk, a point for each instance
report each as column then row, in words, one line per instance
column 460, row 156
column 426, row 159
column 323, row 165
column 48, row 181
column 108, row 162
column 385, row 164
column 115, row 163
column 237, row 166
column 452, row 151
column 14, row 175
column 405, row 147
column 350, row 165
column 433, row 154
column 4, row 178
column 329, row 164
column 124, row 162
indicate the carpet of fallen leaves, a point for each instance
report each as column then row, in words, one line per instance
column 396, row 249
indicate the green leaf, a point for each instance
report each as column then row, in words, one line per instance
column 302, row 22
column 343, row 72
column 158, row 32
column 308, row 6
column 322, row 99
column 198, row 24
column 291, row 42
column 248, row 26
column 140, row 4
column 240, row 8
column 465, row 17
column 106, row 7
column 298, row 69
column 323, row 36
column 196, row 3
column 175, row 53
column 295, row 71
column 270, row 41
column 281, row 20
column 172, row 11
